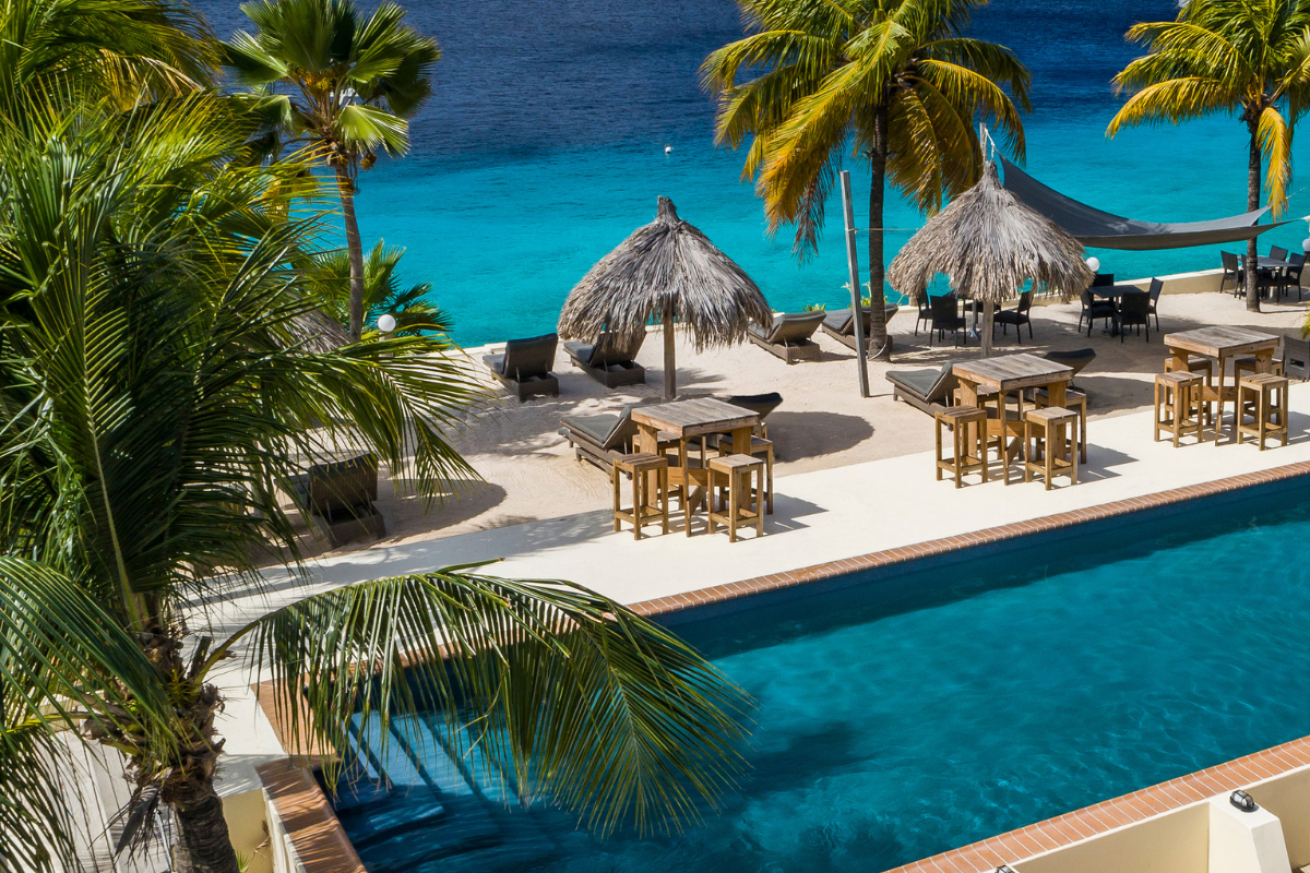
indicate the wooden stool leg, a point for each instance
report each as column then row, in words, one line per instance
column 1178, row 414
column 615, row 475
column 664, row 496
column 1049, row 459
column 957, row 452
column 1262, row 407
column 734, row 497
column 759, row 504
column 768, row 461
column 1282, row 411
column 1073, row 452
column 1157, row 411
column 638, row 503
column 980, row 434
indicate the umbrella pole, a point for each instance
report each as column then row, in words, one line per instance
column 670, row 366
column 988, row 310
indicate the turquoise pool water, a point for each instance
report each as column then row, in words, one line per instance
column 904, row 715
column 543, row 148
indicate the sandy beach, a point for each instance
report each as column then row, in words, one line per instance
column 529, row 471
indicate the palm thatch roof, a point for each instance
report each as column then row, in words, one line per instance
column 666, row 271
column 990, row 244
column 314, row 332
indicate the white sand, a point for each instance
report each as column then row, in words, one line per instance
column 530, row 473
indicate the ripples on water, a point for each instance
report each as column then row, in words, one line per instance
column 544, row 147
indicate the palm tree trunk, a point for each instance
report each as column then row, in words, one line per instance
column 204, row 845
column 880, row 344
column 355, row 250
column 1252, row 204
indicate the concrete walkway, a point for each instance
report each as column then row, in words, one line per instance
column 821, row 516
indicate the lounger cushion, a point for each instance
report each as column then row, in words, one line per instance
column 495, row 363
column 606, row 429
column 793, row 327
column 605, row 352
column 840, row 320
column 760, row 404
column 525, row 358
column 597, row 428
column 920, row 382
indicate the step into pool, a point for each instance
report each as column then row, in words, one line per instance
column 908, row 711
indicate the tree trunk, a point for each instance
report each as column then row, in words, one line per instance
column 1252, row 204
column 670, row 360
column 355, row 249
column 988, row 326
column 880, row 343
column 204, row 845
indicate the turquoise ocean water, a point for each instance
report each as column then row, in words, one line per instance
column 543, row 147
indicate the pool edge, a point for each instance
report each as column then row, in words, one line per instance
column 666, row 606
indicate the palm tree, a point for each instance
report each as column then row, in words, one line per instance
column 156, row 387
column 892, row 81
column 158, row 383
column 1234, row 56
column 383, row 294
column 346, row 88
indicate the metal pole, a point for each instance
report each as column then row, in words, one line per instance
column 853, row 263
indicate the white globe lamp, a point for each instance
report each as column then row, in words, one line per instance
column 387, row 323
column 1093, row 264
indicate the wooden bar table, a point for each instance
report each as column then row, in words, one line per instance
column 1220, row 344
column 1005, row 375
column 683, row 421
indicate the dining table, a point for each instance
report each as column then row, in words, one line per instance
column 680, row 422
column 1220, row 344
column 1005, row 375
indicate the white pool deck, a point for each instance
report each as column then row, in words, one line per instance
column 819, row 517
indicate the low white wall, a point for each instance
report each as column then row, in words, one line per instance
column 1175, row 842
column 1198, row 282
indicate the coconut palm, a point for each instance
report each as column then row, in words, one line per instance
column 894, row 82
column 411, row 306
column 342, row 85
column 1251, row 59
column 157, row 386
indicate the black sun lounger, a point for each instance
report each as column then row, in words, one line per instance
column 926, row 389
column 608, row 361
column 525, row 366
column 599, row 439
column 789, row 337
column 840, row 324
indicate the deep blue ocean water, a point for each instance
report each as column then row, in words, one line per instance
column 913, row 714
column 543, row 147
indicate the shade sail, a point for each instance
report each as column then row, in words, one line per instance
column 1092, row 227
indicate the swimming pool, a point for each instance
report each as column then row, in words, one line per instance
column 908, row 711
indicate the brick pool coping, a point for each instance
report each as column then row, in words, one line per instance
column 323, row 846
column 1025, row 843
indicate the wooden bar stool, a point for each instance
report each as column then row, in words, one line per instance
column 1045, row 436
column 760, row 447
column 965, row 458
column 1250, row 364
column 1195, row 364
column 1075, row 400
column 1267, row 395
column 641, row 467
column 744, row 498
column 1180, row 408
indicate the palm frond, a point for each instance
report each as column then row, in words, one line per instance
column 582, row 700
column 1275, row 139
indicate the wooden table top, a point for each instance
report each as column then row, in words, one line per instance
column 1012, row 372
column 700, row 415
column 1215, row 341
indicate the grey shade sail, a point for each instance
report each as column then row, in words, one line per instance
column 1104, row 230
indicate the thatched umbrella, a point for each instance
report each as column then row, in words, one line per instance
column 990, row 244
column 670, row 272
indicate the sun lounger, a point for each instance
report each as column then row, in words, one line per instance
column 525, row 366
column 599, row 439
column 789, row 336
column 340, row 497
column 607, row 361
column 840, row 324
column 1076, row 358
column 928, row 389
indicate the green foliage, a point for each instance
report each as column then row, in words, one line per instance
column 818, row 78
column 412, row 307
column 344, row 85
column 1226, row 56
column 815, row 307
